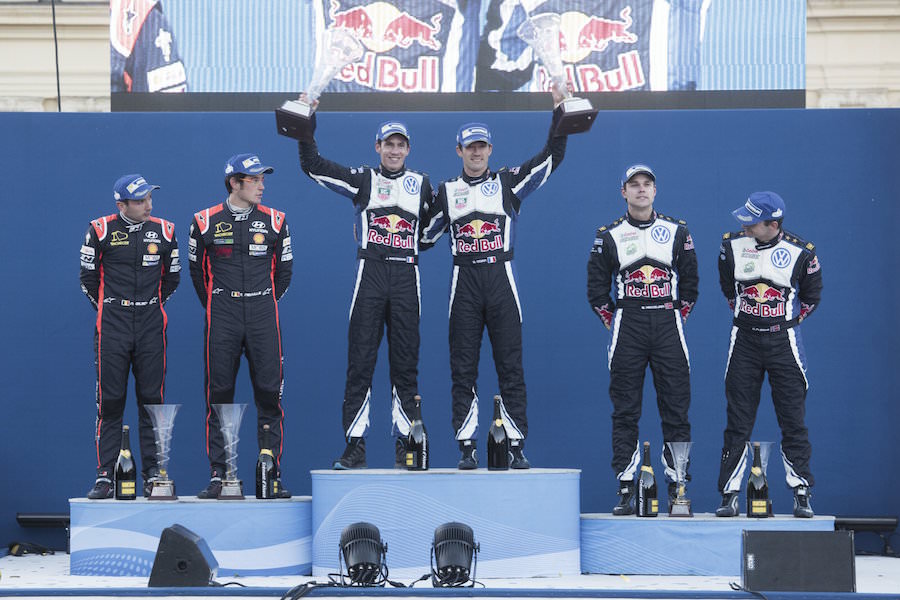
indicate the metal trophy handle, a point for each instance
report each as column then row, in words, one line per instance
column 681, row 454
column 230, row 416
column 163, row 418
column 339, row 48
column 541, row 32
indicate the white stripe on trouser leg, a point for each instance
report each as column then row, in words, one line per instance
column 359, row 272
column 400, row 418
column 418, row 289
column 737, row 476
column 453, row 289
column 617, row 322
column 628, row 473
column 790, row 474
column 360, row 424
column 668, row 470
column 680, row 325
column 512, row 286
column 734, row 331
column 795, row 350
column 469, row 429
column 512, row 430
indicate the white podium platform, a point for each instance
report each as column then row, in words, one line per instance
column 526, row 522
column 700, row 545
column 247, row 537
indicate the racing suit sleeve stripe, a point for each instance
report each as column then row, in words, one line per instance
column 198, row 260
column 686, row 263
column 599, row 272
column 534, row 172
column 329, row 174
column 171, row 272
column 436, row 221
column 283, row 262
column 90, row 263
column 809, row 286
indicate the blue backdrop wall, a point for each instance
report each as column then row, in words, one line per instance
column 837, row 171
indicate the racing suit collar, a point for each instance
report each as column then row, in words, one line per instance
column 476, row 180
column 640, row 224
column 385, row 172
column 774, row 241
column 131, row 223
column 237, row 211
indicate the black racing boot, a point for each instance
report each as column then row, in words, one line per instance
column 214, row 488
column 469, row 459
column 354, row 456
column 280, row 491
column 103, row 487
column 400, row 448
column 517, row 459
column 802, row 507
column 626, row 499
column 729, row 506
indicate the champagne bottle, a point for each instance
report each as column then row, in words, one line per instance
column 265, row 469
column 757, row 488
column 417, row 449
column 648, row 505
column 498, row 442
column 126, row 472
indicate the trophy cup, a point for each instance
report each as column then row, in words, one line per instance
column 339, row 49
column 542, row 34
column 681, row 452
column 230, row 416
column 163, row 417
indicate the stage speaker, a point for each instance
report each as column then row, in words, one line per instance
column 182, row 560
column 798, row 561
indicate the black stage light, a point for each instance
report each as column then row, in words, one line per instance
column 363, row 552
column 452, row 550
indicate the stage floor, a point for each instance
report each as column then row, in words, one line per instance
column 48, row 576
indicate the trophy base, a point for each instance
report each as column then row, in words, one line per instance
column 163, row 490
column 293, row 119
column 232, row 490
column 578, row 115
column 681, row 508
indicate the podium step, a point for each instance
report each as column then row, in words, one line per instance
column 247, row 537
column 526, row 522
column 700, row 545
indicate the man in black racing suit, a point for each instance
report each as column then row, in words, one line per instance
column 772, row 281
column 241, row 261
column 129, row 269
column 480, row 207
column 650, row 259
column 390, row 202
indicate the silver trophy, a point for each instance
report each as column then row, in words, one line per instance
column 163, row 418
column 230, row 416
column 681, row 454
column 339, row 48
column 541, row 32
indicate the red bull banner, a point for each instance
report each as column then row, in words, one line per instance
column 449, row 46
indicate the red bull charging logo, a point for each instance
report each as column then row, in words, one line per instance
column 762, row 300
column 648, row 281
column 396, row 228
column 580, row 35
column 381, row 27
column 476, row 230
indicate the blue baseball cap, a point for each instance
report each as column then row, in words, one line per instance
column 473, row 132
column 246, row 164
column 637, row 170
column 132, row 187
column 389, row 128
column 760, row 206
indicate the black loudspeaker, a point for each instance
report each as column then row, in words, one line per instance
column 798, row 561
column 182, row 560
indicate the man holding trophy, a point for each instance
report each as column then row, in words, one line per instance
column 390, row 201
column 129, row 269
